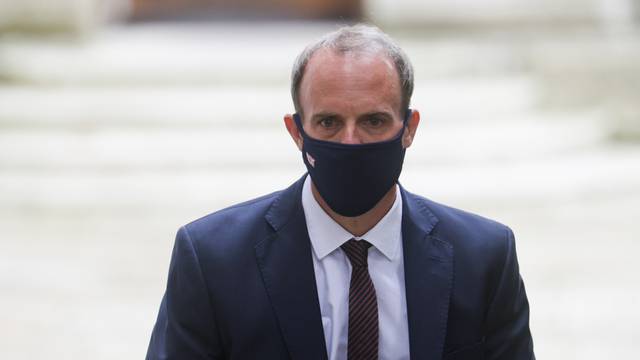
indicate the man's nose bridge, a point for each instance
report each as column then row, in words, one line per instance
column 350, row 135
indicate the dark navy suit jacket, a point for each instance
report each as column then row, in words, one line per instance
column 241, row 286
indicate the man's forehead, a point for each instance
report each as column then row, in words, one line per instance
column 366, row 58
column 330, row 70
column 350, row 82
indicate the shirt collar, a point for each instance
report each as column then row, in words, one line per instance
column 326, row 235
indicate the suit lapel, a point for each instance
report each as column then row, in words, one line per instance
column 286, row 265
column 428, row 264
column 285, row 260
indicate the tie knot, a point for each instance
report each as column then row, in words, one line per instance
column 356, row 251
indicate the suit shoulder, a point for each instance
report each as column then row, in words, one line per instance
column 239, row 216
column 257, row 203
column 480, row 244
column 449, row 214
column 236, row 229
column 464, row 217
column 466, row 229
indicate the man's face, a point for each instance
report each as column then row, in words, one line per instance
column 350, row 98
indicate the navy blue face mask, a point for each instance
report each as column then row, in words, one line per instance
column 352, row 178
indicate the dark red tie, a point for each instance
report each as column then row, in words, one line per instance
column 363, row 306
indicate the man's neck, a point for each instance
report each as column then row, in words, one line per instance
column 359, row 225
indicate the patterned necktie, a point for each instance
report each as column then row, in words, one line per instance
column 363, row 305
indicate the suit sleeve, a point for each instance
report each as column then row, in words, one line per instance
column 508, row 336
column 185, row 328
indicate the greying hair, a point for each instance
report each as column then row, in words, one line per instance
column 362, row 39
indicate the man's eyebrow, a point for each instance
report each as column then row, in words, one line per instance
column 329, row 114
column 324, row 115
column 377, row 113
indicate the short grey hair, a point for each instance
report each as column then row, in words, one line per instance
column 361, row 38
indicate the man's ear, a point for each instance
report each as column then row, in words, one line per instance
column 292, row 128
column 412, row 126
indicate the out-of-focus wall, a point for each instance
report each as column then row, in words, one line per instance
column 110, row 142
column 500, row 12
column 44, row 16
column 582, row 53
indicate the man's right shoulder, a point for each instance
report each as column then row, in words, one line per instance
column 244, row 224
column 236, row 217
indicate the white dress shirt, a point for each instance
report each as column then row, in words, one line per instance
column 333, row 274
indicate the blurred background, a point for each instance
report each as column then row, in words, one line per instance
column 121, row 120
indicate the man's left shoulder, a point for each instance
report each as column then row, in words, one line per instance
column 464, row 230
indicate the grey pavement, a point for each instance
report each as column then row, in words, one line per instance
column 108, row 146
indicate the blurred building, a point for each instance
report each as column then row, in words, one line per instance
column 74, row 16
column 121, row 120
column 226, row 9
column 83, row 14
column 582, row 51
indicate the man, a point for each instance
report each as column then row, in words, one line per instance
column 345, row 263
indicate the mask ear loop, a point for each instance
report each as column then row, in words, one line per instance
column 298, row 121
column 405, row 121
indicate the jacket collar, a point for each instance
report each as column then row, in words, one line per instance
column 285, row 261
column 428, row 268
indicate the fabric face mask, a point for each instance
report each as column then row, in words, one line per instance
column 352, row 178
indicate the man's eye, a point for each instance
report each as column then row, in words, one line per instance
column 327, row 122
column 375, row 122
